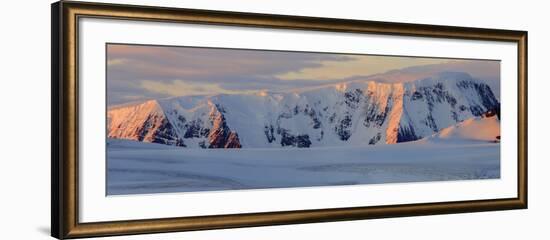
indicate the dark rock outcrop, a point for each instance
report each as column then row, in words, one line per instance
column 220, row 136
column 164, row 133
column 300, row 141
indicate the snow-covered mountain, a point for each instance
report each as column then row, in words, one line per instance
column 358, row 112
column 476, row 129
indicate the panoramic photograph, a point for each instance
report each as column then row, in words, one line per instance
column 191, row 119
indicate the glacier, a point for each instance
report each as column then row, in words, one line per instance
column 459, row 152
column 441, row 128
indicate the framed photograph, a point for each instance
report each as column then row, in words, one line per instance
column 168, row 119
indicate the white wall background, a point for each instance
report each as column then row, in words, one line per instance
column 25, row 119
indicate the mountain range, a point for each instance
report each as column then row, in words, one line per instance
column 358, row 112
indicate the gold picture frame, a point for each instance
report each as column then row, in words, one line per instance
column 65, row 122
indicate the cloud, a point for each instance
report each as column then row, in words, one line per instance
column 360, row 65
column 137, row 73
column 185, row 88
column 117, row 61
column 132, row 69
column 169, row 63
column 483, row 69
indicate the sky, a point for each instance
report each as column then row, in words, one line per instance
column 142, row 72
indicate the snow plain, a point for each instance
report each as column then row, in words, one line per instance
column 139, row 168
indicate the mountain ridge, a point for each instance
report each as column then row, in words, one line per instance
column 357, row 112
